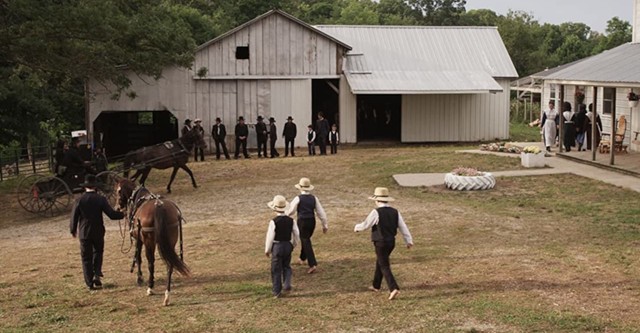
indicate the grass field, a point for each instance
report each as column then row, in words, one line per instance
column 555, row 253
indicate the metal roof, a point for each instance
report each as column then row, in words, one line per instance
column 618, row 65
column 417, row 59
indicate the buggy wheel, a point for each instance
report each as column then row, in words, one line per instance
column 54, row 194
column 27, row 193
column 108, row 181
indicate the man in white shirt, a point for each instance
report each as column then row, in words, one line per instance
column 384, row 222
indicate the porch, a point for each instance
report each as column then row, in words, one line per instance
column 627, row 163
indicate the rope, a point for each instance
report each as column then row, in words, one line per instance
column 122, row 235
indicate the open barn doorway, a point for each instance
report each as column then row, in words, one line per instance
column 325, row 95
column 379, row 117
column 120, row 132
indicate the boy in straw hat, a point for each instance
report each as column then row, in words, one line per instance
column 282, row 237
column 307, row 205
column 384, row 222
column 88, row 226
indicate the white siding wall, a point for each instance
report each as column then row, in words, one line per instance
column 291, row 98
column 348, row 114
column 277, row 46
column 454, row 118
column 169, row 93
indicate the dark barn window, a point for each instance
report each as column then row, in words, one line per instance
column 242, row 52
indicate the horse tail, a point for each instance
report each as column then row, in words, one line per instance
column 165, row 246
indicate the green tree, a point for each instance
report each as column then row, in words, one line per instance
column 618, row 32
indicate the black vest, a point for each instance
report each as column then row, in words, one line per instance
column 284, row 227
column 309, row 136
column 387, row 226
column 333, row 137
column 306, row 206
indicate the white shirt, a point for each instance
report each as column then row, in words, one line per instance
column 293, row 207
column 271, row 235
column 313, row 138
column 373, row 219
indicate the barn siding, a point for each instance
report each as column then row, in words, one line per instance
column 278, row 46
column 453, row 118
column 291, row 98
column 348, row 113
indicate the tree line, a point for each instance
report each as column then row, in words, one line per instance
column 49, row 48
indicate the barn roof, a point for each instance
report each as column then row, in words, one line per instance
column 265, row 15
column 423, row 60
column 615, row 66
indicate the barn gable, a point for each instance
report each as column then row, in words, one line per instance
column 272, row 45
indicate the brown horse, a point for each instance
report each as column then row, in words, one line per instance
column 153, row 220
column 173, row 154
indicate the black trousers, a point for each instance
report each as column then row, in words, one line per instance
column 334, row 148
column 281, row 267
column 262, row 147
column 312, row 148
column 306, row 227
column 274, row 152
column 383, row 265
column 91, row 252
column 322, row 142
column 198, row 151
column 224, row 149
column 288, row 142
column 243, row 144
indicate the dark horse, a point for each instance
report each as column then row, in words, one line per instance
column 153, row 220
column 163, row 156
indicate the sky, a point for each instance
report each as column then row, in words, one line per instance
column 594, row 13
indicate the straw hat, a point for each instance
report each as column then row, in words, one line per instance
column 304, row 184
column 198, row 120
column 279, row 203
column 381, row 194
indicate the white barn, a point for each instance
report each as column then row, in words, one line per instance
column 405, row 84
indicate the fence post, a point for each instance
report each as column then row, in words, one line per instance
column 1, row 169
column 33, row 161
column 17, row 162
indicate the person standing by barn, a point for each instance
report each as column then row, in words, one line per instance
column 88, row 226
column 384, row 222
column 273, row 137
column 334, row 139
column 242, row 132
column 261, row 136
column 219, row 133
column 198, row 150
column 289, row 133
column 306, row 205
column 322, row 131
column 569, row 129
column 549, row 125
column 311, row 140
column 187, row 127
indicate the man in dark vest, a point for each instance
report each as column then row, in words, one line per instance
column 242, row 132
column 273, row 137
column 307, row 205
column 75, row 165
column 282, row 237
column 219, row 133
column 197, row 149
column 88, row 226
column 384, row 222
column 322, row 132
column 261, row 137
column 187, row 127
column 289, row 133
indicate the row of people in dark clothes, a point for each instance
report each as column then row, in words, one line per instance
column 77, row 159
column 576, row 130
column 322, row 136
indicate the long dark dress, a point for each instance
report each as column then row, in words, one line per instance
column 590, row 132
column 569, row 130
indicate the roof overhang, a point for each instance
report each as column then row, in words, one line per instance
column 423, row 82
column 595, row 83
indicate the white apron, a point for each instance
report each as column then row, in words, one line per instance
column 549, row 129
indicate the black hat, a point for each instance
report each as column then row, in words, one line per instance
column 187, row 121
column 218, row 119
column 90, row 181
column 289, row 118
column 241, row 118
column 272, row 120
column 260, row 118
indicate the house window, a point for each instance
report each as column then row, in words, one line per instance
column 608, row 100
column 242, row 52
column 552, row 92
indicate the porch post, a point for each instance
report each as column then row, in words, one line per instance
column 612, row 137
column 561, row 108
column 594, row 121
